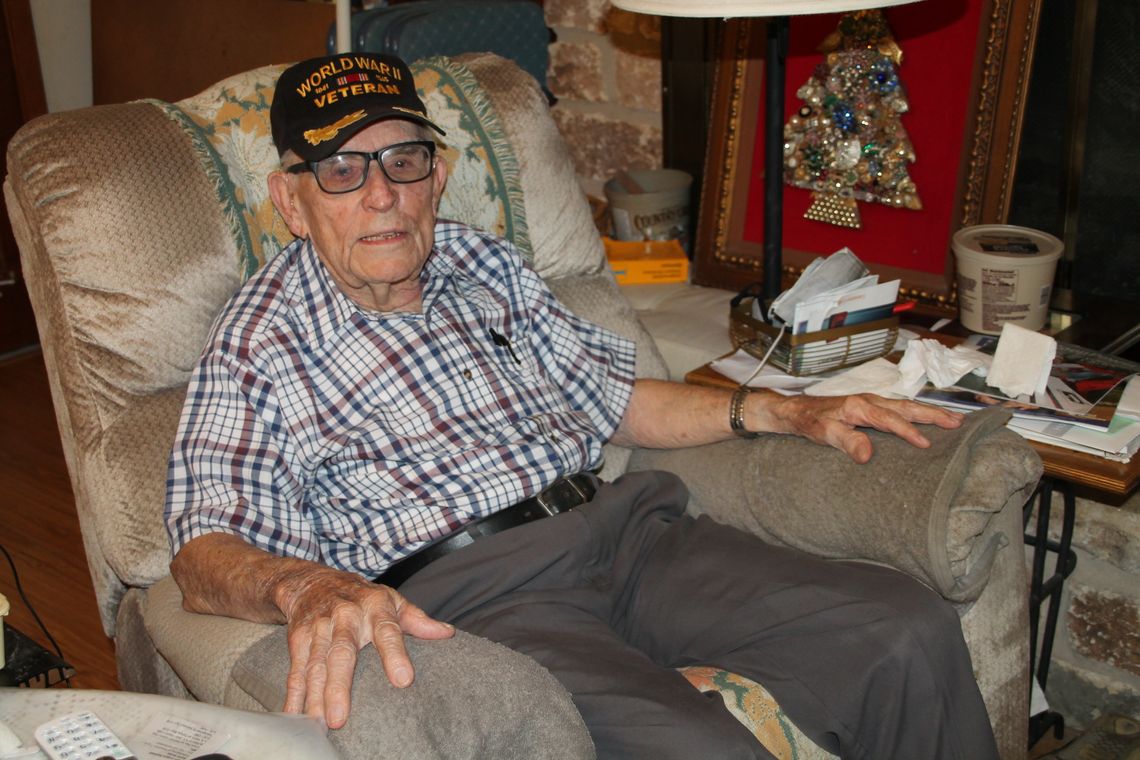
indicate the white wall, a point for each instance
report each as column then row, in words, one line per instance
column 63, row 36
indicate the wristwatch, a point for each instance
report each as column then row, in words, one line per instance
column 736, row 413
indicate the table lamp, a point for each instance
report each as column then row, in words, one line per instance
column 778, row 11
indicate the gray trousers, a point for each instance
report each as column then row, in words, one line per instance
column 614, row 595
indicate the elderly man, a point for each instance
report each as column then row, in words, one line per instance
column 396, row 402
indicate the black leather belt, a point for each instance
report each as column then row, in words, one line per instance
column 560, row 496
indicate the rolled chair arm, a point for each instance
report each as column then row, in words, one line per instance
column 927, row 512
column 471, row 698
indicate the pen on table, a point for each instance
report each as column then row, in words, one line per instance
column 902, row 306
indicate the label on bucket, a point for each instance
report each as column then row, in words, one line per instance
column 665, row 224
column 1007, row 244
column 999, row 297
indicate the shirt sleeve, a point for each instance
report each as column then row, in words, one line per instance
column 228, row 471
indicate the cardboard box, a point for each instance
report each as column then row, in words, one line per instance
column 647, row 261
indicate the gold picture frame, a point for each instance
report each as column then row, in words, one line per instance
column 1001, row 64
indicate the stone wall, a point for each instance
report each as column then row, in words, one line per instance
column 1096, row 654
column 605, row 70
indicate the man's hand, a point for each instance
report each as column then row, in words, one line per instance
column 832, row 420
column 331, row 616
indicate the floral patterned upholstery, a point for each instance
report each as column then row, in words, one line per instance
column 483, row 189
column 228, row 125
column 757, row 709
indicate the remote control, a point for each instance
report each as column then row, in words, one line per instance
column 80, row 736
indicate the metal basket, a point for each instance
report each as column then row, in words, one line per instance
column 813, row 352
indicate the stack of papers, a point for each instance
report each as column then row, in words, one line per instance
column 1118, row 442
column 836, row 291
column 1090, row 403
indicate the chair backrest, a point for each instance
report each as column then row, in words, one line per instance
column 137, row 222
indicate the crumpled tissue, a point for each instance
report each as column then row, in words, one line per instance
column 1022, row 361
column 924, row 359
column 1129, row 404
column 928, row 359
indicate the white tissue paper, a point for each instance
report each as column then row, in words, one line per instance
column 876, row 376
column 945, row 366
column 928, row 360
column 912, row 369
column 1022, row 361
column 923, row 360
column 1129, row 404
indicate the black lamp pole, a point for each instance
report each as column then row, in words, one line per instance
column 774, row 157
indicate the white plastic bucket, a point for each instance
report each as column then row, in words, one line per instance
column 1005, row 274
column 659, row 212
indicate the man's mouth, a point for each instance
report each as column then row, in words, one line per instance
column 382, row 236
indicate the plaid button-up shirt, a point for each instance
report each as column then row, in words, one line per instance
column 316, row 429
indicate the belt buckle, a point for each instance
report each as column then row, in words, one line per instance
column 550, row 508
column 547, row 508
column 573, row 483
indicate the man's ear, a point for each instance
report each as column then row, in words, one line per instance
column 284, row 196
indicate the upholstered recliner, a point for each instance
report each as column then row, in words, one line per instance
column 136, row 222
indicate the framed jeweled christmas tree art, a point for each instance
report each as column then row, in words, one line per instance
column 900, row 127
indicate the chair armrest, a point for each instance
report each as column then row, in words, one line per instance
column 472, row 698
column 927, row 512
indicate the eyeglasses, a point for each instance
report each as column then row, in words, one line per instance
column 402, row 163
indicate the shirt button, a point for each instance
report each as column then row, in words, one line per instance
column 467, row 374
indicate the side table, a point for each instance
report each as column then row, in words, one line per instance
column 1065, row 470
column 26, row 663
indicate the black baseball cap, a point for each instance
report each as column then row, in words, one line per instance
column 322, row 102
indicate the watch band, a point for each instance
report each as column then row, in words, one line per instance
column 736, row 413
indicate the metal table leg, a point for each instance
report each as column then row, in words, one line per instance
column 1042, row 589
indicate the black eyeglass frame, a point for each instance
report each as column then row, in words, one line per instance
column 377, row 156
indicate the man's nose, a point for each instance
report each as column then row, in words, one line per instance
column 379, row 191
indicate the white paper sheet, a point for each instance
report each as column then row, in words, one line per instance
column 739, row 366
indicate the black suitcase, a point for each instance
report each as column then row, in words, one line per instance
column 514, row 29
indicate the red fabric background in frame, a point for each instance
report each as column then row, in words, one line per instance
column 938, row 41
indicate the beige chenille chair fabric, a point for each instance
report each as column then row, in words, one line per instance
column 136, row 222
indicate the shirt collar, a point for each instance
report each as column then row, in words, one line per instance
column 327, row 305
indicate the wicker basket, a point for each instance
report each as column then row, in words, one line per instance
column 813, row 352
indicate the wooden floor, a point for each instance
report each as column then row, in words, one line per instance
column 40, row 530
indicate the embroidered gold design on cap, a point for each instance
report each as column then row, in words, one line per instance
column 321, row 134
column 409, row 110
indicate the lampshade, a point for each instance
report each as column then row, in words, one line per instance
column 743, row 8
